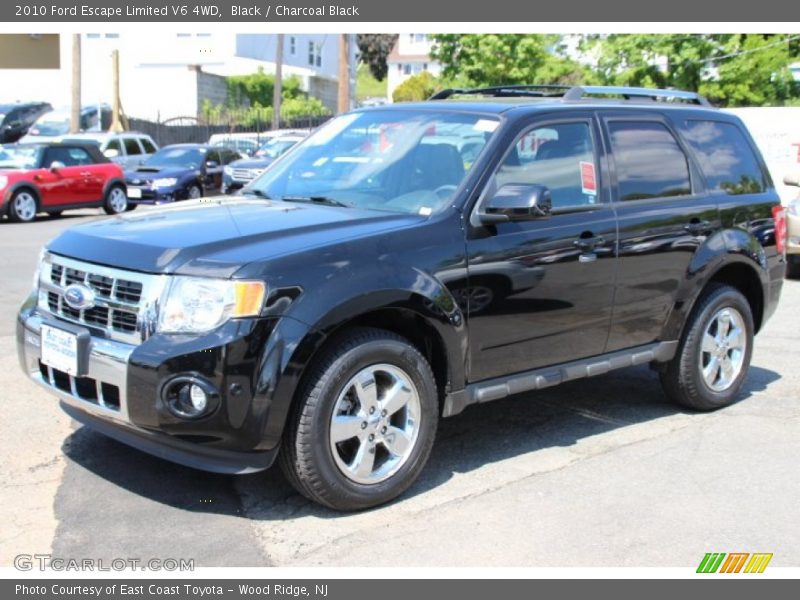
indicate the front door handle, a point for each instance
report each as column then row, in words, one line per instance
column 588, row 244
column 696, row 227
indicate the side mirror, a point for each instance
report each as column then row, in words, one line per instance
column 56, row 165
column 793, row 180
column 111, row 153
column 517, row 202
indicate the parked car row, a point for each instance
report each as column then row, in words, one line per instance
column 51, row 170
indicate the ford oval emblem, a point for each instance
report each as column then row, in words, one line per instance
column 79, row 296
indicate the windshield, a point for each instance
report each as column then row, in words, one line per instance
column 50, row 127
column 19, row 157
column 394, row 160
column 275, row 147
column 189, row 158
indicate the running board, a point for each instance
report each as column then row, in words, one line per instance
column 537, row 379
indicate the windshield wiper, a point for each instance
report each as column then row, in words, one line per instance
column 255, row 192
column 316, row 200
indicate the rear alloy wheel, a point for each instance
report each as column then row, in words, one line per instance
column 714, row 355
column 195, row 192
column 364, row 424
column 116, row 201
column 23, row 207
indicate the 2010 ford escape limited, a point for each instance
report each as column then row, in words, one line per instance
column 403, row 263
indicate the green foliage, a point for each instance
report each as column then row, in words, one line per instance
column 486, row 60
column 259, row 116
column 257, row 88
column 366, row 84
column 374, row 48
column 729, row 69
column 416, row 88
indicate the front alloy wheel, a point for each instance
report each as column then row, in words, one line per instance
column 363, row 423
column 23, row 207
column 116, row 201
column 374, row 426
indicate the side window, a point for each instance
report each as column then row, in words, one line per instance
column 132, row 147
column 560, row 156
column 149, row 148
column 213, row 156
column 114, row 145
column 649, row 161
column 69, row 157
column 726, row 158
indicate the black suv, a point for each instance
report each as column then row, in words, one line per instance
column 405, row 262
column 16, row 119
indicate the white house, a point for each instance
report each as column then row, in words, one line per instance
column 410, row 56
column 163, row 76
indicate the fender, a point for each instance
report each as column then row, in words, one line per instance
column 10, row 191
column 312, row 318
column 113, row 181
column 725, row 247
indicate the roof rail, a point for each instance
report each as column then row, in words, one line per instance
column 508, row 91
column 574, row 93
column 579, row 92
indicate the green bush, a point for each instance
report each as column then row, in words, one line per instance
column 416, row 88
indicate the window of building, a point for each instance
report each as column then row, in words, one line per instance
column 649, row 161
column 420, row 37
column 292, row 45
column 407, row 69
column 726, row 158
column 92, row 36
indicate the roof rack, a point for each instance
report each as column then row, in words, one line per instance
column 507, row 91
column 575, row 93
column 628, row 93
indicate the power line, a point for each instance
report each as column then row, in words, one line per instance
column 750, row 51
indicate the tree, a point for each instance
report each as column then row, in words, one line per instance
column 257, row 88
column 486, row 60
column 374, row 49
column 730, row 69
column 416, row 88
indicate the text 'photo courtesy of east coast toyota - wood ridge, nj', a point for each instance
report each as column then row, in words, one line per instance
column 303, row 299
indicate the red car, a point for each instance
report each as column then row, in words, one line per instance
column 51, row 178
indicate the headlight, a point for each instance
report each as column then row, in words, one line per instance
column 165, row 182
column 198, row 305
column 3, row 182
column 227, row 170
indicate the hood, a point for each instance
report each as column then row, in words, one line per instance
column 252, row 163
column 150, row 173
column 216, row 237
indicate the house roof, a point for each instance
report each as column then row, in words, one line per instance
column 396, row 57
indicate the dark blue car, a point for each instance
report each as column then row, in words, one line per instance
column 241, row 172
column 178, row 172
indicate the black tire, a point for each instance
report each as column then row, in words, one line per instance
column 116, row 200
column 682, row 379
column 793, row 266
column 194, row 192
column 307, row 457
column 22, row 215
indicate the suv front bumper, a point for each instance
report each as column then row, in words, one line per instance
column 118, row 394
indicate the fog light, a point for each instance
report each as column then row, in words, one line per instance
column 189, row 397
column 198, row 397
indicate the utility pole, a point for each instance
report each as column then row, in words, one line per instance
column 75, row 115
column 343, row 103
column 277, row 89
column 116, row 105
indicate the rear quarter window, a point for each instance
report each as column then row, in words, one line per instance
column 726, row 158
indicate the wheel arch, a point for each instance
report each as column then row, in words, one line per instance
column 18, row 187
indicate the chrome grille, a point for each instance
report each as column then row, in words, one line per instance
column 125, row 301
column 243, row 174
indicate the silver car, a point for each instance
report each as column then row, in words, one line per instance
column 128, row 149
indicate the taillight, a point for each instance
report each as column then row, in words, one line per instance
column 779, row 218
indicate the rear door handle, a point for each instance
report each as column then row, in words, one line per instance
column 588, row 244
column 695, row 227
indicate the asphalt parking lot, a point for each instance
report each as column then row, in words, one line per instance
column 600, row 472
